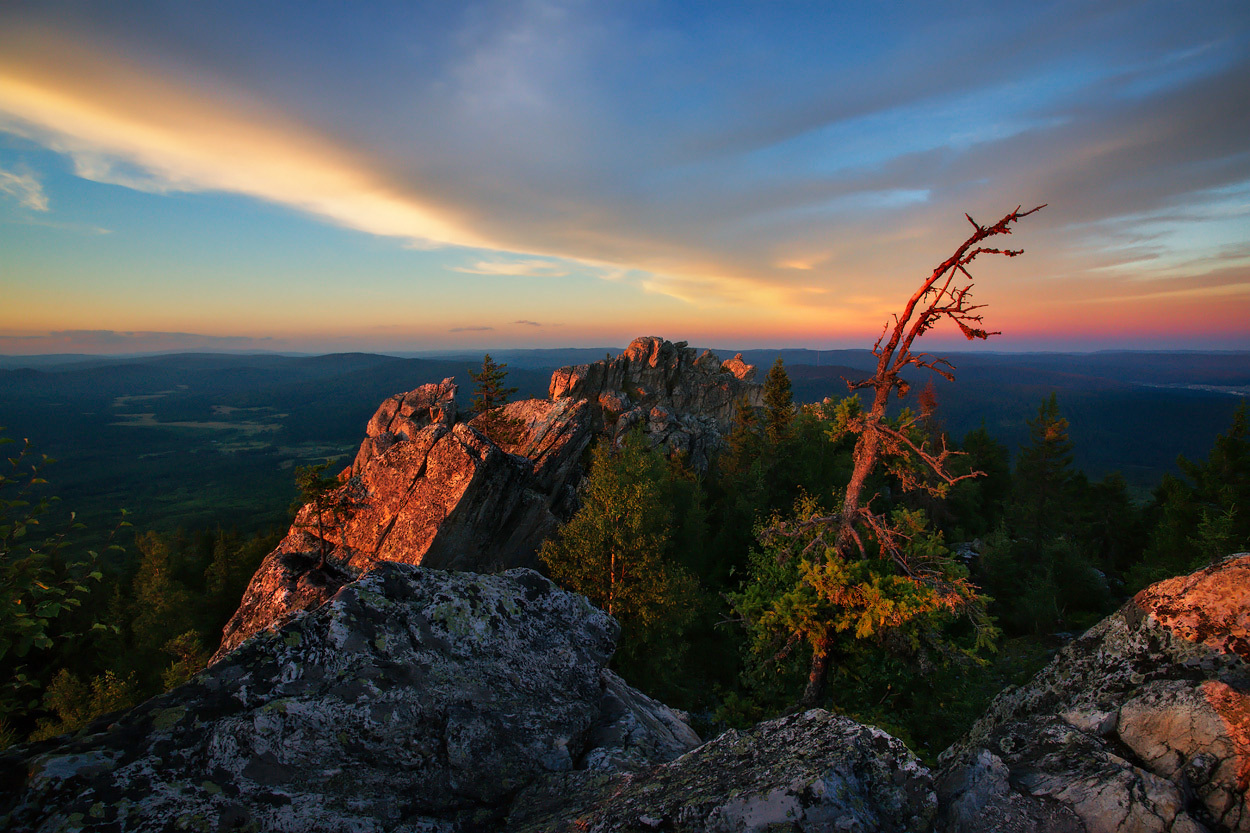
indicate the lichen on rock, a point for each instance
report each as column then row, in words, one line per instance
column 1143, row 723
column 808, row 772
column 413, row 699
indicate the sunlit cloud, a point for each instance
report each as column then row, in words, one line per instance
column 135, row 130
column 24, row 188
column 781, row 168
column 520, row 268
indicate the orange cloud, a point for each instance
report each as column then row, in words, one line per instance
column 134, row 129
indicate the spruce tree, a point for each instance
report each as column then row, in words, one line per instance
column 1044, row 478
column 778, row 402
column 615, row 551
column 489, row 391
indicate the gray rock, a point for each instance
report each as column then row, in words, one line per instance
column 808, row 772
column 635, row 731
column 413, row 700
column 684, row 400
column 1143, row 723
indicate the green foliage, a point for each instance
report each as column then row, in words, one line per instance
column 778, row 402
column 315, row 490
column 76, row 703
column 1043, row 486
column 801, row 592
column 976, row 504
column 616, row 551
column 489, row 391
column 1061, row 541
column 161, row 605
column 1205, row 516
column 189, row 655
column 39, row 591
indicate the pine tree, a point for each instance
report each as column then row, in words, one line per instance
column 1044, row 478
column 489, row 391
column 613, row 551
column 316, row 492
column 1204, row 516
column 778, row 402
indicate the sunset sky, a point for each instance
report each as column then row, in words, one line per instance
column 407, row 176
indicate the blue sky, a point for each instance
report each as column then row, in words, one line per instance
column 321, row 176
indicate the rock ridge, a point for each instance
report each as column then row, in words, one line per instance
column 483, row 495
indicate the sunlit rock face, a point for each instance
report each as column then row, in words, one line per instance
column 683, row 400
column 483, row 495
column 415, row 699
column 1141, row 724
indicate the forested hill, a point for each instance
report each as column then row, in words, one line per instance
column 199, row 439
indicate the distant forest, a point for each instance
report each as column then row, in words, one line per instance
column 1084, row 500
column 196, row 440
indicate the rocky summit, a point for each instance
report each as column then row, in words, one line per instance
column 421, row 700
column 414, row 700
column 1142, row 724
column 427, row 488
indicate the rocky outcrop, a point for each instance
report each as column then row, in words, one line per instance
column 808, row 772
column 1141, row 724
column 414, row 700
column 484, row 494
column 682, row 399
column 402, row 417
column 421, row 700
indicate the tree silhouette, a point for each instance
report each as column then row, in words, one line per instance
column 778, row 402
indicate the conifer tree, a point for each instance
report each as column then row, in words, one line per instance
column 315, row 491
column 778, row 402
column 489, row 391
column 744, row 444
column 613, row 551
column 833, row 576
column 1044, row 477
column 1204, row 516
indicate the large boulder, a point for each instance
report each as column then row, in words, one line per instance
column 1141, row 724
column 807, row 772
column 414, row 700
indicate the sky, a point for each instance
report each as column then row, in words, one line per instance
column 391, row 176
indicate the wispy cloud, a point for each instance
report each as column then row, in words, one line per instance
column 135, row 129
column 528, row 323
column 469, row 329
column 521, row 268
column 25, row 188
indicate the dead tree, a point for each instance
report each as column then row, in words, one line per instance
column 946, row 294
column 919, row 463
